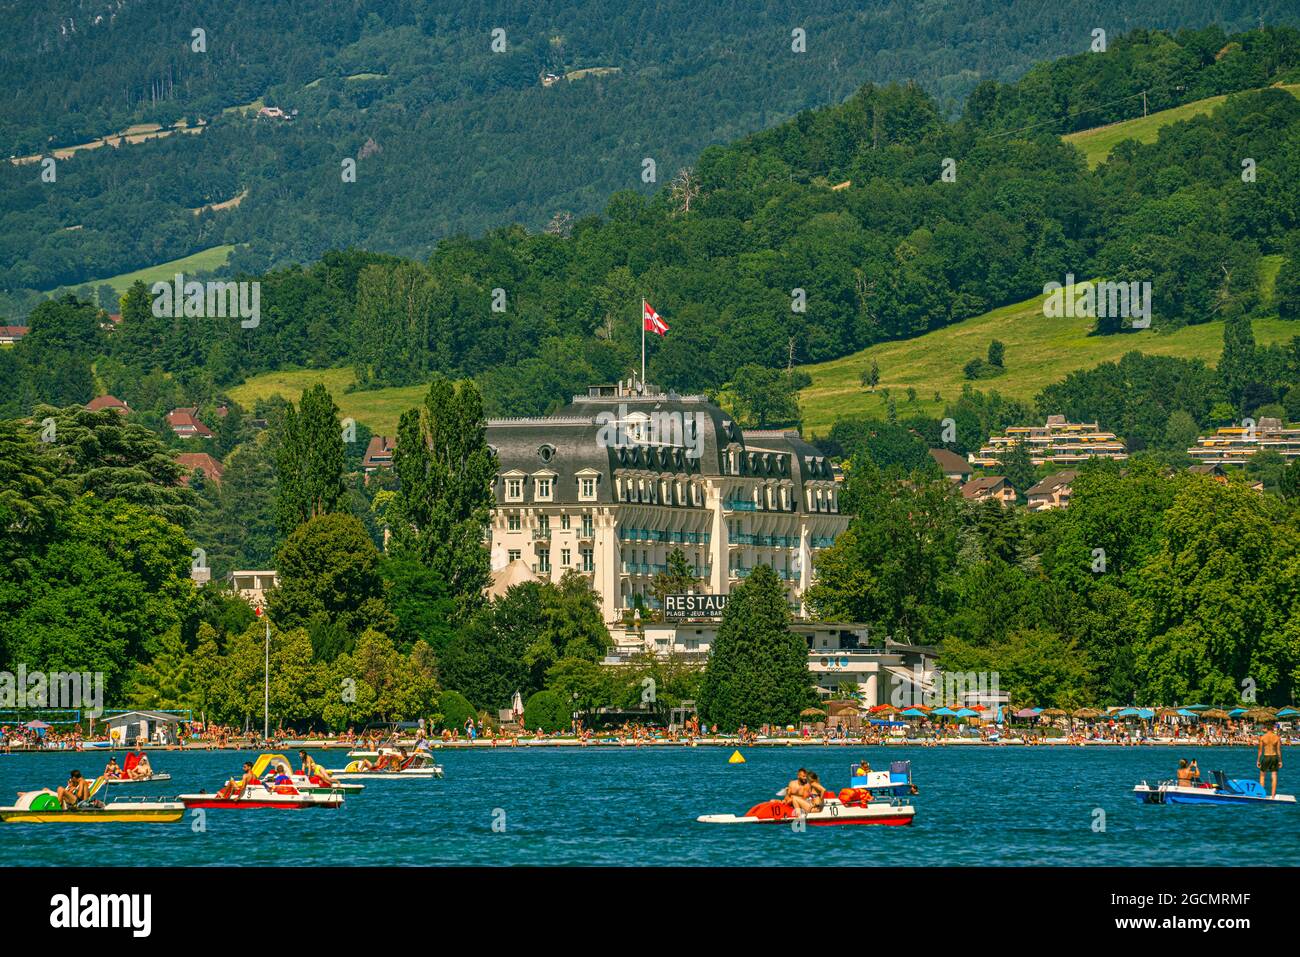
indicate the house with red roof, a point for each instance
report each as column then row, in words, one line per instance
column 185, row 423
column 107, row 402
column 194, row 461
column 379, row 453
column 9, row 335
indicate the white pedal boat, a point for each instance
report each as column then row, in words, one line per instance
column 418, row 766
column 151, row 779
column 309, row 785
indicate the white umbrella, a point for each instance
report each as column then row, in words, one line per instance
column 517, row 704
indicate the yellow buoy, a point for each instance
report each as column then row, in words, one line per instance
column 736, row 758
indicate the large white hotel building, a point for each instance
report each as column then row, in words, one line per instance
column 613, row 482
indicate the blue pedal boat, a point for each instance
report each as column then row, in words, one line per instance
column 1224, row 790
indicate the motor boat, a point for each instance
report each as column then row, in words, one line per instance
column 1223, row 790
column 872, row 797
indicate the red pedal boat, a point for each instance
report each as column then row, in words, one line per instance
column 874, row 797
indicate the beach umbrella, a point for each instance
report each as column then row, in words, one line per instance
column 1055, row 713
column 1187, row 713
column 967, row 713
column 812, row 713
column 1215, row 714
column 1126, row 713
column 517, row 704
column 1261, row 714
column 945, row 712
column 1237, row 713
column 882, row 709
column 914, row 713
column 1027, row 713
column 1198, row 707
column 1288, row 713
column 1087, row 714
column 36, row 725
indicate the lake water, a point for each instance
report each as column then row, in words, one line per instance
column 637, row 807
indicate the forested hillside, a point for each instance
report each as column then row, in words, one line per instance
column 451, row 137
column 847, row 204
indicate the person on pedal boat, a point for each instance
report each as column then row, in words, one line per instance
column 796, row 792
column 75, row 791
column 310, row 767
column 143, row 770
column 816, row 793
column 1268, row 757
column 236, row 788
column 111, row 770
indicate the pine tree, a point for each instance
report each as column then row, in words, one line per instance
column 445, row 469
column 758, row 670
column 1018, row 467
column 1237, row 362
column 310, row 461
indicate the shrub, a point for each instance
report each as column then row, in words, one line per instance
column 546, row 710
column 455, row 708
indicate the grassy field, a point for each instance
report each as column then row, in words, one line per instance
column 1097, row 143
column 1039, row 351
column 201, row 261
column 378, row 410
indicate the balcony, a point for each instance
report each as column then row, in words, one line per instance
column 739, row 505
column 542, row 534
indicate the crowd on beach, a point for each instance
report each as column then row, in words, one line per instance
column 926, row 733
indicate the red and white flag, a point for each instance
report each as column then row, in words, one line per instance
column 652, row 321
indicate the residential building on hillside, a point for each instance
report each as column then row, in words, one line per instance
column 953, row 466
column 194, row 461
column 185, row 423
column 1057, row 442
column 10, row 335
column 252, row 586
column 1052, row 492
column 620, row 477
column 379, row 454
column 1233, row 444
column 985, row 487
column 107, row 402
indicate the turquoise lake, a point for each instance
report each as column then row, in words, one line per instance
column 637, row 807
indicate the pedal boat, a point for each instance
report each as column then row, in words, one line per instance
column 417, row 766
column 152, row 779
column 877, row 797
column 1223, row 791
column 304, row 783
column 43, row 807
column 260, row 797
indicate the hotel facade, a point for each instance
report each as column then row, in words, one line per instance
column 615, row 481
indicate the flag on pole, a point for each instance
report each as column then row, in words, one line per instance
column 651, row 321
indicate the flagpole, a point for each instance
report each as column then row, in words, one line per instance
column 643, row 342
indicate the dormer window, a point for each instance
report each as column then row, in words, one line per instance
column 587, row 479
column 514, row 488
column 542, row 489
